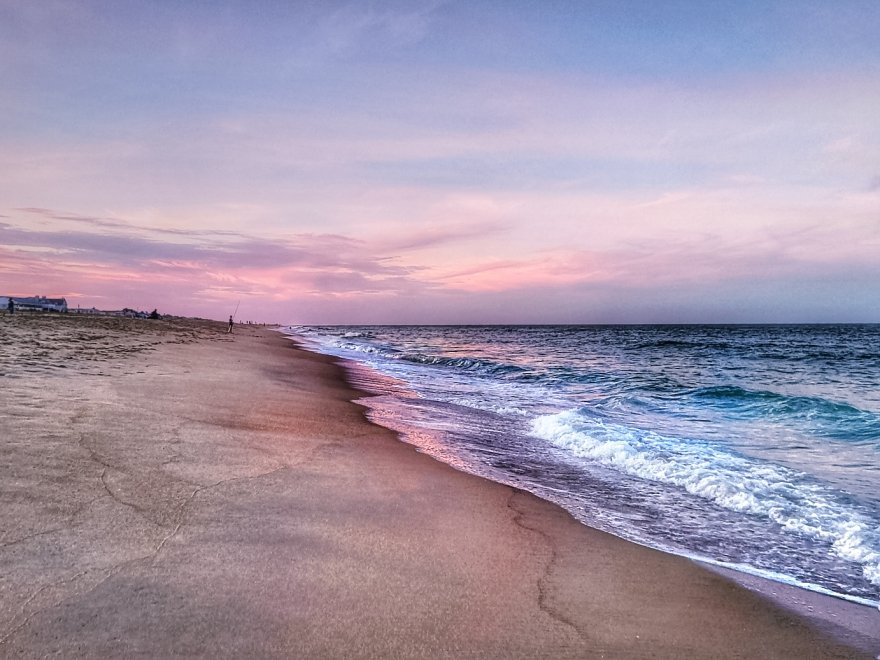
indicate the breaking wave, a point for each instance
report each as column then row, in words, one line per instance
column 786, row 497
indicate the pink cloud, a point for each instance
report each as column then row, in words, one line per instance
column 434, row 235
column 557, row 269
column 129, row 265
column 608, row 243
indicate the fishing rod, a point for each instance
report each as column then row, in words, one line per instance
column 236, row 309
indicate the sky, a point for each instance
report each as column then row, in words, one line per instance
column 444, row 162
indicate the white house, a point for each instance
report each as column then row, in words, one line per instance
column 36, row 304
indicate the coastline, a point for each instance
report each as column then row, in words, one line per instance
column 210, row 495
column 844, row 619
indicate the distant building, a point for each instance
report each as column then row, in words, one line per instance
column 44, row 304
column 127, row 313
column 35, row 304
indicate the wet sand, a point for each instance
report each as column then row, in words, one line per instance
column 170, row 490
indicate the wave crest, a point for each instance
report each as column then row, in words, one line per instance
column 734, row 482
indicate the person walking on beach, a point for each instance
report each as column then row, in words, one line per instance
column 11, row 306
column 231, row 324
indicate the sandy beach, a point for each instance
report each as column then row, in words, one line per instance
column 171, row 490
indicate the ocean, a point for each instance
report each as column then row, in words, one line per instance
column 751, row 447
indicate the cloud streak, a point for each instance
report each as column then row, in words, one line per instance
column 216, row 265
column 439, row 159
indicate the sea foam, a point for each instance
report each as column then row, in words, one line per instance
column 753, row 446
column 735, row 482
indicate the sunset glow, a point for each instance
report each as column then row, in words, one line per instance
column 444, row 162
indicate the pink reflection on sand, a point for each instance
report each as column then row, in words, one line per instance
column 383, row 413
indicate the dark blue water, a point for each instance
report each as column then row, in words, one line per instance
column 756, row 447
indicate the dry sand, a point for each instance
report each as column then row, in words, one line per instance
column 169, row 490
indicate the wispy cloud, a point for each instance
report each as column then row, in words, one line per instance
column 433, row 236
column 350, row 27
column 112, row 223
column 216, row 264
column 392, row 151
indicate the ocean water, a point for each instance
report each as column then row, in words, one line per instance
column 752, row 447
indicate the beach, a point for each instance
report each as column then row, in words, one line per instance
column 172, row 490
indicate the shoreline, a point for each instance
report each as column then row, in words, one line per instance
column 175, row 491
column 853, row 623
